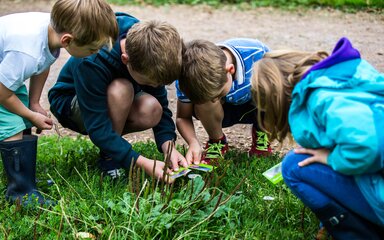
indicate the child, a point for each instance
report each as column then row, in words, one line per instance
column 122, row 91
column 215, row 88
column 29, row 44
column 333, row 107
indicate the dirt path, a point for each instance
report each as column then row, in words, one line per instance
column 306, row 30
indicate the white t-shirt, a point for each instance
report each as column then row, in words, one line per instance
column 24, row 49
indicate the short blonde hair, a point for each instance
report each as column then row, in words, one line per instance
column 273, row 79
column 203, row 73
column 154, row 50
column 89, row 21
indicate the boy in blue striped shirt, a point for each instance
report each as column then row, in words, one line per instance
column 215, row 88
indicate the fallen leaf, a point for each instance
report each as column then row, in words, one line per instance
column 85, row 235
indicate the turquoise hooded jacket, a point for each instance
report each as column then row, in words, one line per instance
column 339, row 105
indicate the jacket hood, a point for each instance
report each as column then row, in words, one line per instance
column 125, row 22
column 341, row 70
column 113, row 56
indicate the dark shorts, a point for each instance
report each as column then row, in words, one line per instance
column 239, row 114
column 71, row 117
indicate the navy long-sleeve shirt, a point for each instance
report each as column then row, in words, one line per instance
column 88, row 78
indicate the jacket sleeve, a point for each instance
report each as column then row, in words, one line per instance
column 165, row 129
column 91, row 82
column 350, row 127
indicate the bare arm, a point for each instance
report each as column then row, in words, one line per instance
column 154, row 168
column 36, row 85
column 11, row 102
column 186, row 128
column 176, row 158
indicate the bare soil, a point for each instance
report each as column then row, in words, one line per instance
column 315, row 29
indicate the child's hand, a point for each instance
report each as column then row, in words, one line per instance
column 319, row 155
column 37, row 108
column 40, row 121
column 177, row 160
column 155, row 171
column 194, row 153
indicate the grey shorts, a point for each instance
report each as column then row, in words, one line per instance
column 75, row 113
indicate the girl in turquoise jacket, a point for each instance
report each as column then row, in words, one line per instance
column 333, row 107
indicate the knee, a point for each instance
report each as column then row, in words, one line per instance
column 290, row 168
column 119, row 90
column 151, row 112
column 199, row 110
column 211, row 110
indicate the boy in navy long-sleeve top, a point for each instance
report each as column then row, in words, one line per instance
column 121, row 91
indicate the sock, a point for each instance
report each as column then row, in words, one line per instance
column 222, row 140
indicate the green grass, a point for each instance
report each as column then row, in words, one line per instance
column 227, row 204
column 349, row 5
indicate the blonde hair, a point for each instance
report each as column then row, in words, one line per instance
column 89, row 21
column 154, row 50
column 273, row 79
column 203, row 73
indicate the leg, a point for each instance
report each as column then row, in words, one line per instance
column 15, row 137
column 211, row 115
column 260, row 143
column 333, row 197
column 246, row 114
column 19, row 159
column 120, row 95
column 145, row 113
column 18, row 155
column 130, row 112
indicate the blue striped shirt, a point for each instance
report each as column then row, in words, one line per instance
column 246, row 52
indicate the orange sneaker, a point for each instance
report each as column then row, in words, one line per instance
column 215, row 149
column 260, row 144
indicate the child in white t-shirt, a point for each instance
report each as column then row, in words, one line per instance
column 29, row 44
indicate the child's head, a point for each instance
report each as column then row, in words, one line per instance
column 88, row 23
column 273, row 79
column 205, row 73
column 153, row 50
